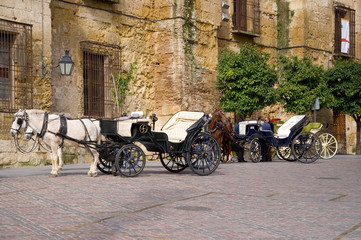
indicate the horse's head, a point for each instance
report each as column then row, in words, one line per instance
column 19, row 123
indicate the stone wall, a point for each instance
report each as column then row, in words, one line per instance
column 174, row 43
column 174, row 73
column 37, row 13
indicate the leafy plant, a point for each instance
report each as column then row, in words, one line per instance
column 344, row 84
column 245, row 80
column 300, row 82
column 121, row 85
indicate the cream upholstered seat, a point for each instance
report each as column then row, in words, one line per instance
column 124, row 126
column 285, row 130
column 177, row 125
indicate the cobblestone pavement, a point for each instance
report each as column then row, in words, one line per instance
column 270, row 200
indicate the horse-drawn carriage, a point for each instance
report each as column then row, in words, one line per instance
column 180, row 143
column 301, row 145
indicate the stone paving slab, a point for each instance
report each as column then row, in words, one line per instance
column 270, row 200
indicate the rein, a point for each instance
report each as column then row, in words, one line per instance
column 221, row 126
column 22, row 150
column 214, row 130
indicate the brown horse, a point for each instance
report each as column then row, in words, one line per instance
column 221, row 128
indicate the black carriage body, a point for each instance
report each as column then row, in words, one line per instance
column 152, row 140
column 291, row 142
column 254, row 131
column 180, row 143
column 251, row 129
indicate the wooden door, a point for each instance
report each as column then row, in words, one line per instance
column 339, row 128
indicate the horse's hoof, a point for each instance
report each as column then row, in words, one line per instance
column 92, row 174
column 53, row 175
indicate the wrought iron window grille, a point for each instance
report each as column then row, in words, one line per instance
column 101, row 64
column 16, row 66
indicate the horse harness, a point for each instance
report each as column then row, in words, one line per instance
column 220, row 125
column 63, row 128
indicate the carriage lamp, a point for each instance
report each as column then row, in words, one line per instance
column 66, row 64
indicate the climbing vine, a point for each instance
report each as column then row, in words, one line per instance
column 283, row 22
column 121, row 86
column 189, row 35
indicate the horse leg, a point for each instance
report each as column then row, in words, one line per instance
column 54, row 161
column 93, row 165
column 227, row 150
column 230, row 147
column 60, row 155
column 225, row 153
column 94, row 162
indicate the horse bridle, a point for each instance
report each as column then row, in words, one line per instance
column 20, row 120
column 25, row 118
column 219, row 119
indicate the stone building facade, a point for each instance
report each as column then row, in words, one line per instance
column 299, row 28
column 174, row 43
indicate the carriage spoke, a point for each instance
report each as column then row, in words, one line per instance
column 329, row 145
column 130, row 160
column 307, row 147
column 204, row 155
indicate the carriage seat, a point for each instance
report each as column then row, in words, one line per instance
column 124, row 126
column 243, row 126
column 286, row 128
column 177, row 125
column 313, row 127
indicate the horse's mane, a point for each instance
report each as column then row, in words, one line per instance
column 35, row 111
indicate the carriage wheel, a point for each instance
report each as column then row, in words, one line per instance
column 173, row 162
column 307, row 147
column 104, row 166
column 130, row 160
column 285, row 153
column 255, row 151
column 329, row 145
column 204, row 155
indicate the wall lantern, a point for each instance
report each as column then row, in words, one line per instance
column 66, row 64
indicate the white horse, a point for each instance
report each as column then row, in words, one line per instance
column 79, row 132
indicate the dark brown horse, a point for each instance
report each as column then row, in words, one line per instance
column 221, row 128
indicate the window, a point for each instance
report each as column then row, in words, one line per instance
column 16, row 86
column 5, row 43
column 101, row 66
column 246, row 16
column 93, row 75
column 344, row 31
